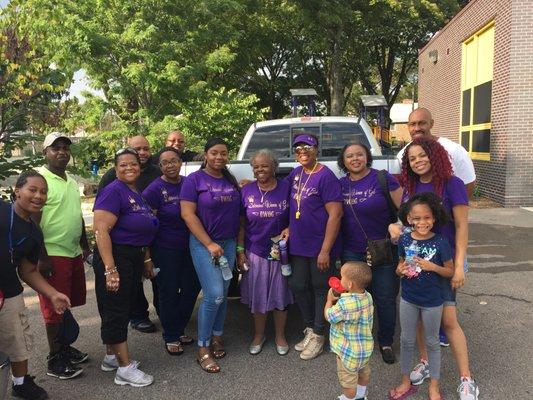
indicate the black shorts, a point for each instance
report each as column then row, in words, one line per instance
column 115, row 307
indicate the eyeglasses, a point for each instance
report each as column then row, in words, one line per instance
column 302, row 148
column 174, row 162
column 126, row 150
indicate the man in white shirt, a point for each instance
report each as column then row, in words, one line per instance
column 419, row 124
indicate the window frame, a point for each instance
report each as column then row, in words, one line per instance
column 469, row 81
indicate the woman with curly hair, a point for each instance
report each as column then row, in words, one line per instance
column 426, row 167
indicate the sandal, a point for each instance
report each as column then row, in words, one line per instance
column 394, row 395
column 185, row 340
column 208, row 364
column 218, row 348
column 174, row 348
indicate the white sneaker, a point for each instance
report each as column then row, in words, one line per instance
column 314, row 347
column 133, row 377
column 419, row 373
column 468, row 389
column 300, row 346
column 108, row 366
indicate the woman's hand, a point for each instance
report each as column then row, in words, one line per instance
column 241, row 260
column 148, row 269
column 60, row 302
column 215, row 250
column 323, row 261
column 395, row 230
column 285, row 234
column 458, row 279
column 112, row 282
column 402, row 269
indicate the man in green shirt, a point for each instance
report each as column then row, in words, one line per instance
column 66, row 247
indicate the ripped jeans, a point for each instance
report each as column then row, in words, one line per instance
column 212, row 311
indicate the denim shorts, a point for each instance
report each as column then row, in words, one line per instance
column 448, row 294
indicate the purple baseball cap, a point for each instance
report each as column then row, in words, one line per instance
column 304, row 138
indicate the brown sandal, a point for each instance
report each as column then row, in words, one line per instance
column 218, row 348
column 207, row 363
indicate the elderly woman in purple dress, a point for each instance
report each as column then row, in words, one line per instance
column 266, row 215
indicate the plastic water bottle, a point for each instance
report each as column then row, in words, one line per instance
column 224, row 267
column 410, row 253
column 286, row 269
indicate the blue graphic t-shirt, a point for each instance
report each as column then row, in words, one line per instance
column 425, row 290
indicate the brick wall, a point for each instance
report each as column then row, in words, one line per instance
column 508, row 177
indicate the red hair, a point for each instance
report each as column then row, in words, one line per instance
column 441, row 166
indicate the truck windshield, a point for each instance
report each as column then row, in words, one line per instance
column 336, row 135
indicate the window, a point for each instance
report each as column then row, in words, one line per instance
column 336, row 135
column 476, row 92
column 276, row 138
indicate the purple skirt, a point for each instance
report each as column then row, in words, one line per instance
column 263, row 287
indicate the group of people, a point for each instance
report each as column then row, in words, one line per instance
column 185, row 234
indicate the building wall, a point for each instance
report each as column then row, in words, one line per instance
column 508, row 177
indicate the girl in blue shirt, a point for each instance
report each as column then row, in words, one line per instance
column 422, row 284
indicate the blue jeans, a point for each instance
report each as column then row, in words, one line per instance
column 384, row 289
column 178, row 289
column 212, row 311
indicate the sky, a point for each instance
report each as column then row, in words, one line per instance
column 3, row 3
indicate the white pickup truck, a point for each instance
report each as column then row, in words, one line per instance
column 332, row 132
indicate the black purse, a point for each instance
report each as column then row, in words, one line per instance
column 379, row 252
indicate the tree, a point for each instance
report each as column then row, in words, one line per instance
column 30, row 92
column 145, row 55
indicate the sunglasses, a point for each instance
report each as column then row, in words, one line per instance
column 126, row 150
column 302, row 148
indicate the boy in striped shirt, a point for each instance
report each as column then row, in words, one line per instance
column 351, row 316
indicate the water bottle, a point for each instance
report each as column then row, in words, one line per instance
column 286, row 269
column 410, row 253
column 224, row 267
column 156, row 271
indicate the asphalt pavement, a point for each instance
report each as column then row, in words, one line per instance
column 495, row 310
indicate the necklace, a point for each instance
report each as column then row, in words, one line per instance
column 264, row 193
column 301, row 188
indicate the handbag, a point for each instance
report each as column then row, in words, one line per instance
column 379, row 252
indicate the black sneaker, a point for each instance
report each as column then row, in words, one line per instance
column 144, row 326
column 76, row 356
column 387, row 354
column 29, row 390
column 60, row 366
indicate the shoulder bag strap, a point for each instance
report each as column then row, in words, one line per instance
column 353, row 211
column 385, row 189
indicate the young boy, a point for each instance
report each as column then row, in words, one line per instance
column 350, row 334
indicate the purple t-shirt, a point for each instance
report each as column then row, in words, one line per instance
column 371, row 207
column 217, row 201
column 264, row 219
column 164, row 197
column 307, row 233
column 454, row 195
column 136, row 224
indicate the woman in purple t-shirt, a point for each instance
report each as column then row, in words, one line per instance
column 177, row 281
column 124, row 227
column 210, row 206
column 426, row 167
column 367, row 215
column 314, row 223
column 266, row 215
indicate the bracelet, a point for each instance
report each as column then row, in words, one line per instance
column 147, row 260
column 240, row 249
column 110, row 271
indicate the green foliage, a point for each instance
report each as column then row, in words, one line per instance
column 224, row 113
column 30, row 91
